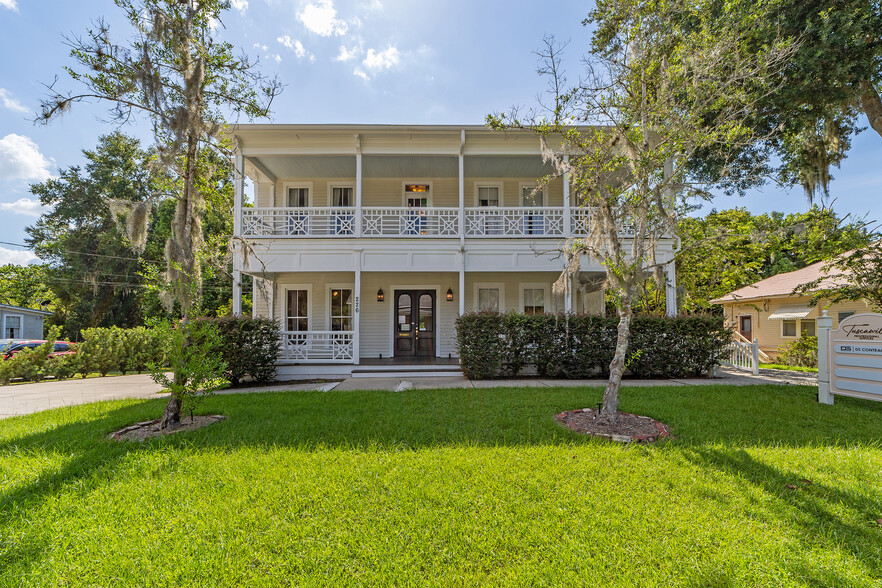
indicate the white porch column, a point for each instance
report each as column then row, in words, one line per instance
column 356, row 314
column 568, row 296
column 461, row 191
column 461, row 283
column 671, row 289
column 358, row 230
column 567, row 215
column 239, row 193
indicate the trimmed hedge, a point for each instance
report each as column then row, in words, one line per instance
column 493, row 345
column 249, row 346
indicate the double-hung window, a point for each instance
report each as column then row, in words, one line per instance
column 298, row 221
column 12, row 327
column 343, row 197
column 341, row 309
column 534, row 300
column 297, row 314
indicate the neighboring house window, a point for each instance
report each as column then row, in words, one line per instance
column 297, row 312
column 488, row 299
column 341, row 309
column 534, row 300
column 12, row 327
column 845, row 315
column 807, row 327
column 788, row 328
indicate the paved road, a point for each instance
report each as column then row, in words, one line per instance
column 29, row 398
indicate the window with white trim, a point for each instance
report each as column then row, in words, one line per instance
column 12, row 327
column 297, row 196
column 342, row 196
column 297, row 310
column 488, row 196
column 488, row 299
column 340, row 306
column 788, row 328
column 844, row 315
column 534, row 300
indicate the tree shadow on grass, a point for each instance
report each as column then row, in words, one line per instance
column 810, row 507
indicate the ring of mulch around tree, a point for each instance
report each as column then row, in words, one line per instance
column 150, row 429
column 627, row 428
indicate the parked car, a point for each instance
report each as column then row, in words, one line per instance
column 9, row 347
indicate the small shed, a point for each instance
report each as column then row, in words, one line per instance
column 21, row 323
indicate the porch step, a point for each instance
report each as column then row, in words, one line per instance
column 401, row 371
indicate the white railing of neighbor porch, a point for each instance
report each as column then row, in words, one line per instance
column 743, row 356
column 318, row 346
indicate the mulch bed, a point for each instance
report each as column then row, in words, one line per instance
column 627, row 428
column 149, row 429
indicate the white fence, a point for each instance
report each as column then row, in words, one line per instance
column 514, row 222
column 743, row 356
column 318, row 346
column 410, row 222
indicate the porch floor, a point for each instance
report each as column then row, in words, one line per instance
column 409, row 361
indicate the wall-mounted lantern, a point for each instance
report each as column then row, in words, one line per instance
column 449, row 295
column 380, row 296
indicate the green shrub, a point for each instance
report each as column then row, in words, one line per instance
column 802, row 353
column 248, row 346
column 61, row 367
column 580, row 346
column 30, row 364
column 103, row 349
column 6, row 371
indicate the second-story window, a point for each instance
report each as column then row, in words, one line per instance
column 488, row 196
column 298, row 197
column 342, row 196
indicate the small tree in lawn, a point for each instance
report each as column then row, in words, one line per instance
column 654, row 105
column 175, row 72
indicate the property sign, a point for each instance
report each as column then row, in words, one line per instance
column 855, row 358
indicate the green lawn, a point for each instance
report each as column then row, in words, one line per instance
column 454, row 487
column 792, row 368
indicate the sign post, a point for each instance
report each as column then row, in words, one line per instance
column 850, row 358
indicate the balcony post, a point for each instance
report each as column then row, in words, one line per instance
column 461, row 189
column 358, row 227
column 461, row 283
column 568, row 225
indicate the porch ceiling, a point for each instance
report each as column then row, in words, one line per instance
column 401, row 166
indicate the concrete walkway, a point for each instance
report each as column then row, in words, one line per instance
column 29, row 398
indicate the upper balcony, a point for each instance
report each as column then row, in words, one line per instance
column 400, row 182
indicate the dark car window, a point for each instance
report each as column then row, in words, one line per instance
column 61, row 347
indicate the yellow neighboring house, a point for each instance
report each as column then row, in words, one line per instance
column 770, row 312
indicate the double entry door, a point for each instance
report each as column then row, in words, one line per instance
column 414, row 328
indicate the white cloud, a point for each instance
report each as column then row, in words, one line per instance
column 10, row 102
column 320, row 18
column 376, row 61
column 360, row 73
column 296, row 46
column 10, row 4
column 14, row 257
column 240, row 5
column 25, row 206
column 347, row 54
column 20, row 159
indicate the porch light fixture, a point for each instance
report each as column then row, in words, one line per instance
column 449, row 295
column 380, row 296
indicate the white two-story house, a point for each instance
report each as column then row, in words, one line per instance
column 366, row 242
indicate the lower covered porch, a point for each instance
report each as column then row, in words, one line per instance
column 348, row 323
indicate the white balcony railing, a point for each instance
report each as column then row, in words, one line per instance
column 298, row 222
column 514, row 222
column 318, row 346
column 435, row 222
column 410, row 222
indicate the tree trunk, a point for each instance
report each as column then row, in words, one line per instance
column 872, row 105
column 617, row 366
column 171, row 417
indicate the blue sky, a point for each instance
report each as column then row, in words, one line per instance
column 343, row 61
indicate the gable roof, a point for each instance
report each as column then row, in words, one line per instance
column 23, row 309
column 782, row 284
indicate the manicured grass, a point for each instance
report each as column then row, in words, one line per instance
column 451, row 487
column 793, row 368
